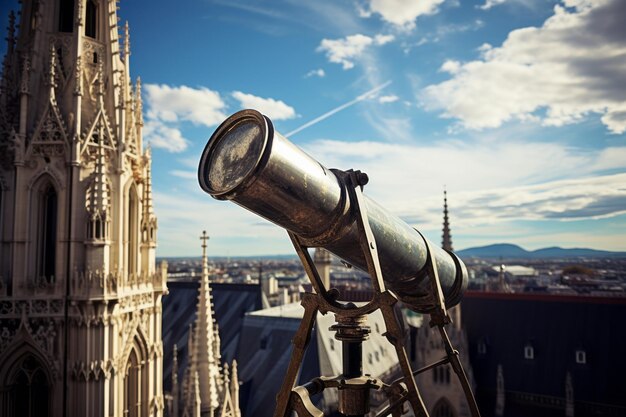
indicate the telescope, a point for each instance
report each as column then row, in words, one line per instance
column 248, row 162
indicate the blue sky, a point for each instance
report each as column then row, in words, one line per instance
column 517, row 107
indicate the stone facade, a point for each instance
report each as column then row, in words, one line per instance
column 80, row 294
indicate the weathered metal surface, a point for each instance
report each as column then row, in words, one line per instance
column 247, row 162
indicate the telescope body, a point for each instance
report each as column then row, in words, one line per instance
column 247, row 162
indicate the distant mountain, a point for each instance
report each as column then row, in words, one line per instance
column 507, row 250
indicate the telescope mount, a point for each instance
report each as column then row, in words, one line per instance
column 351, row 329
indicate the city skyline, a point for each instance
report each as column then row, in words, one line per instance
column 515, row 107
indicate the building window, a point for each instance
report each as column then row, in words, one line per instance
column 132, row 402
column 91, row 19
column 28, row 391
column 441, row 375
column 47, row 234
column 482, row 347
column 529, row 352
column 66, row 16
column 581, row 357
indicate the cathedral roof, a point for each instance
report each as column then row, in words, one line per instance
column 500, row 326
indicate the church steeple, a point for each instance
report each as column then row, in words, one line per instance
column 446, row 238
column 203, row 348
column 218, row 392
column 446, row 243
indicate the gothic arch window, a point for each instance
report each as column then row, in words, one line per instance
column 443, row 408
column 91, row 19
column 66, row 16
column 132, row 387
column 46, row 239
column 136, row 382
column 27, row 391
column 132, row 230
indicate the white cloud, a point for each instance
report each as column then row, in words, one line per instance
column 189, row 175
column 274, row 109
column 492, row 182
column 233, row 230
column 559, row 73
column 388, row 99
column 316, row 73
column 490, row 3
column 200, row 106
column 451, row 66
column 401, row 13
column 159, row 135
column 345, row 50
column 167, row 107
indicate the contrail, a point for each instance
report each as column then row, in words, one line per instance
column 338, row 109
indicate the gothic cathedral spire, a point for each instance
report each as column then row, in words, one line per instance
column 77, row 225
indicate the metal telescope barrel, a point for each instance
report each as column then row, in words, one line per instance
column 248, row 162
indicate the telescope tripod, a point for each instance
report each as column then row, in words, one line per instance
column 351, row 329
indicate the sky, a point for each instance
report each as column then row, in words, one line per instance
column 516, row 107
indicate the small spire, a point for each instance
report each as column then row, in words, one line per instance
column 175, row 364
column 234, row 388
column 78, row 77
column 148, row 211
column 25, row 81
column 196, row 399
column 126, row 41
column 175, row 389
column 52, row 75
column 99, row 196
column 138, row 102
column 11, row 33
column 226, row 375
column 100, row 83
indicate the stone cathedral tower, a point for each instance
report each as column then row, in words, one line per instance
column 80, row 297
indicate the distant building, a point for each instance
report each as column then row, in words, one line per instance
column 80, row 294
column 547, row 355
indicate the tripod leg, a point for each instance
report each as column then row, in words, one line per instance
column 453, row 356
column 395, row 335
column 300, row 342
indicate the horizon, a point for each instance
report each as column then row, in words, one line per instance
column 295, row 255
column 516, row 107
